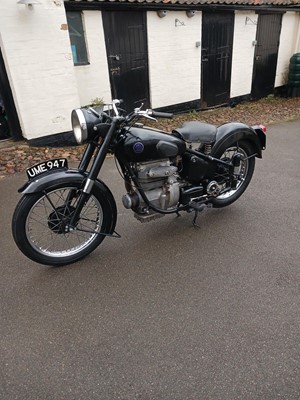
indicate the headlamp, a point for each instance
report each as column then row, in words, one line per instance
column 83, row 122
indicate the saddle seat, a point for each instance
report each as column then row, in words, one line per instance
column 196, row 132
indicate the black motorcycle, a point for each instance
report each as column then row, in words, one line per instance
column 64, row 214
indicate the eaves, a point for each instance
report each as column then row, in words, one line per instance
column 279, row 6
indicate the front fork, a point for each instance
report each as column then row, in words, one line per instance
column 94, row 171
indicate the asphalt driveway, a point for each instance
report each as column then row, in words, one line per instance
column 168, row 311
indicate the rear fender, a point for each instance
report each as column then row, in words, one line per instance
column 232, row 132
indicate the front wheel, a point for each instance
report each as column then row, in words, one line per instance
column 246, row 150
column 40, row 224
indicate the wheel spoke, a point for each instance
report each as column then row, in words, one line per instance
column 48, row 220
column 227, row 156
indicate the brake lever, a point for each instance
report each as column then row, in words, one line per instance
column 146, row 115
column 149, row 117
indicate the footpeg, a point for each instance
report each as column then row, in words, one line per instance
column 213, row 189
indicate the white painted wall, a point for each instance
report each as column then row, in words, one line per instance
column 93, row 79
column 36, row 49
column 243, row 53
column 46, row 86
column 288, row 46
column 174, row 59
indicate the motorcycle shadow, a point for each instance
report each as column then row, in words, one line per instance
column 170, row 232
column 148, row 243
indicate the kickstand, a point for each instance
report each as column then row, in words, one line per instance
column 195, row 219
column 178, row 214
column 197, row 208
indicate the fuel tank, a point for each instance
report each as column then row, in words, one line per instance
column 146, row 144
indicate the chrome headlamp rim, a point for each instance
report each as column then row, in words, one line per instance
column 79, row 126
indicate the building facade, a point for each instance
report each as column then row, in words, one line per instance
column 56, row 56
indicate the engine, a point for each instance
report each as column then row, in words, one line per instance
column 158, row 180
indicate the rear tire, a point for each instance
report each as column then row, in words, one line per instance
column 247, row 169
column 40, row 219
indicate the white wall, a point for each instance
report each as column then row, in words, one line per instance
column 36, row 50
column 93, row 79
column 174, row 59
column 243, row 53
column 288, row 46
column 46, row 86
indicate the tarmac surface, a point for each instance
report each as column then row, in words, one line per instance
column 168, row 311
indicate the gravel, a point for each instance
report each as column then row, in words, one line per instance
column 17, row 156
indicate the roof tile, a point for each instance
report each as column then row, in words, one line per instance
column 201, row 2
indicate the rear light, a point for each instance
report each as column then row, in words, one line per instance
column 263, row 128
column 261, row 134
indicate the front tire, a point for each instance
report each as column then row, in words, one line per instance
column 246, row 171
column 40, row 223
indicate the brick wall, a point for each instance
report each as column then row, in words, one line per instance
column 288, row 45
column 243, row 53
column 36, row 49
column 174, row 59
column 93, row 79
column 46, row 86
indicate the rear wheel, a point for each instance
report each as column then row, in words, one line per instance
column 40, row 224
column 246, row 150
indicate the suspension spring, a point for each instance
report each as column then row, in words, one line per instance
column 207, row 148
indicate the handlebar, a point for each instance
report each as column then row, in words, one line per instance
column 158, row 114
column 151, row 114
column 137, row 113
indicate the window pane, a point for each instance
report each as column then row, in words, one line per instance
column 77, row 38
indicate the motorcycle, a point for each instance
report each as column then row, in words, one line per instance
column 64, row 214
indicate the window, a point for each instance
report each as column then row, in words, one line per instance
column 77, row 38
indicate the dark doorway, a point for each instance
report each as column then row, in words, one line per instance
column 266, row 54
column 217, row 39
column 126, row 47
column 9, row 121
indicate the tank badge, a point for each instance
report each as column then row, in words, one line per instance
column 138, row 147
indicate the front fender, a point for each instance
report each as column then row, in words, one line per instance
column 234, row 131
column 54, row 179
column 51, row 179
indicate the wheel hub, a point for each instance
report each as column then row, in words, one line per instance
column 59, row 219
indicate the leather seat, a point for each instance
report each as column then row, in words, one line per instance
column 196, row 132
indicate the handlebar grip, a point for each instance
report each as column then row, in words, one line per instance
column 159, row 114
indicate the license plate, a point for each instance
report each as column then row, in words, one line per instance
column 46, row 166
